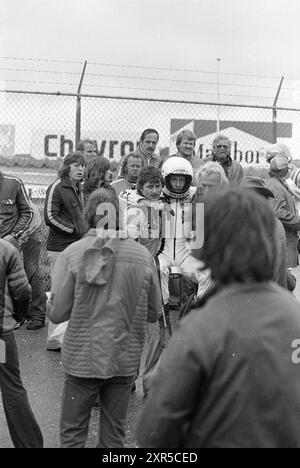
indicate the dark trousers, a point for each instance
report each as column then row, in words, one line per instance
column 31, row 257
column 79, row 397
column 22, row 425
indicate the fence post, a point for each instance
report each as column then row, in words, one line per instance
column 275, row 111
column 78, row 108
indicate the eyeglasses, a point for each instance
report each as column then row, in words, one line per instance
column 222, row 146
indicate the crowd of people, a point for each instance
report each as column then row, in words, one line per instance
column 217, row 370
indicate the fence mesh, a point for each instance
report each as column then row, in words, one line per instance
column 37, row 130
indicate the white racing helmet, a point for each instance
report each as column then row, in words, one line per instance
column 177, row 165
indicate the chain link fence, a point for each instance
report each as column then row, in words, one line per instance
column 37, row 130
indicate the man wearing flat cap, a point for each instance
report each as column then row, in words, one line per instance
column 285, row 209
column 281, row 275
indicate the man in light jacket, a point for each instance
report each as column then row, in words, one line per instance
column 107, row 287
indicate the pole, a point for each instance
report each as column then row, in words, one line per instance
column 218, row 95
column 274, row 125
column 78, row 107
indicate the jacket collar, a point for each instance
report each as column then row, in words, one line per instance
column 150, row 158
column 240, row 288
column 227, row 162
column 66, row 182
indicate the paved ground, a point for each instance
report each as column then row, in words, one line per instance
column 43, row 375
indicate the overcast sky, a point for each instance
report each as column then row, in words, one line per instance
column 256, row 37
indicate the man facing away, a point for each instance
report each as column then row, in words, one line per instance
column 229, row 378
column 107, row 287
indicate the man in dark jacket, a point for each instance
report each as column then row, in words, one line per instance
column 95, row 285
column 15, row 210
column 229, row 378
column 14, row 305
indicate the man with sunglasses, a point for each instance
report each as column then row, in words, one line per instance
column 221, row 154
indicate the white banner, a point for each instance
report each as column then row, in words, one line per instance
column 247, row 138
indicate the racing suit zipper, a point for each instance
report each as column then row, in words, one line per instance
column 175, row 232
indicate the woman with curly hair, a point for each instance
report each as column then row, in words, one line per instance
column 97, row 175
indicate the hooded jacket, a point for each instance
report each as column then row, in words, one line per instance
column 108, row 289
column 15, row 293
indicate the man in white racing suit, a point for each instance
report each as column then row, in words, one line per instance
column 180, row 218
column 169, row 245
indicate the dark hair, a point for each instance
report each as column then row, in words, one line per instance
column 95, row 171
column 99, row 196
column 72, row 158
column 148, row 174
column 239, row 239
column 82, row 143
column 147, row 131
column 123, row 170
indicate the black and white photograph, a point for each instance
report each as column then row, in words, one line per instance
column 149, row 226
